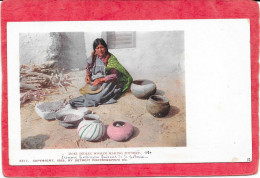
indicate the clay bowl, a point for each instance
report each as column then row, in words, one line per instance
column 143, row 89
column 120, row 131
column 158, row 105
column 70, row 118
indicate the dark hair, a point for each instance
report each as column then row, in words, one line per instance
column 99, row 41
column 93, row 56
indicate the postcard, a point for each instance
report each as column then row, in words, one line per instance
column 181, row 65
column 129, row 97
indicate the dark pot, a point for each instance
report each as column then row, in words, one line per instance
column 158, row 105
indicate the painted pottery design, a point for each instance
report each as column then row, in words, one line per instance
column 91, row 128
column 120, row 131
column 143, row 89
column 158, row 105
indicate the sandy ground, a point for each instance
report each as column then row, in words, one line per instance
column 149, row 131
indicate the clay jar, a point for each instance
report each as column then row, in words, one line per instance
column 91, row 128
column 120, row 131
column 143, row 89
column 158, row 105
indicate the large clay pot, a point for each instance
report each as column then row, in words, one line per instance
column 91, row 128
column 143, row 88
column 158, row 105
column 120, row 131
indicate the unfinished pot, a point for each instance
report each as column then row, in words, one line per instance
column 158, row 105
column 91, row 128
column 70, row 118
column 120, row 131
column 143, row 89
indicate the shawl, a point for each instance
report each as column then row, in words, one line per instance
column 123, row 78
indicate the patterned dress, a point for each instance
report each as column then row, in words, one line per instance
column 111, row 90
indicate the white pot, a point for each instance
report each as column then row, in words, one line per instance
column 91, row 128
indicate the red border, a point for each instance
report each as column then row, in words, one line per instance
column 83, row 10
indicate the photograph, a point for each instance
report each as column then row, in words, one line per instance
column 107, row 89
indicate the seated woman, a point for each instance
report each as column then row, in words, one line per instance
column 107, row 79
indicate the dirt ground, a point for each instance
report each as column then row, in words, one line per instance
column 149, row 131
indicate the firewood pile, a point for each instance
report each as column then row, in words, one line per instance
column 37, row 81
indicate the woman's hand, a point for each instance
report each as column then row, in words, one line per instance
column 98, row 81
column 87, row 79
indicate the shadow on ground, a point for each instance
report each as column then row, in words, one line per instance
column 173, row 111
column 34, row 142
column 135, row 133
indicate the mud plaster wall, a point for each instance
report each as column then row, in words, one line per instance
column 33, row 47
column 156, row 53
column 68, row 49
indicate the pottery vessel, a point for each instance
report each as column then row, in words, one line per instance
column 91, row 128
column 70, row 118
column 120, row 131
column 143, row 89
column 158, row 105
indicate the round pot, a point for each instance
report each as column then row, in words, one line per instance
column 120, row 131
column 158, row 105
column 91, row 128
column 143, row 89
